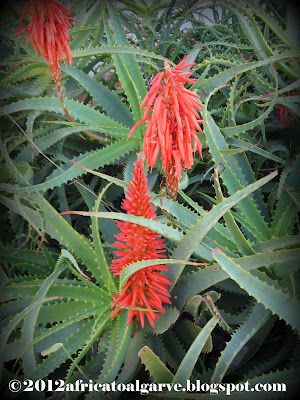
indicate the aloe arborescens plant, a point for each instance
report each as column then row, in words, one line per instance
column 231, row 236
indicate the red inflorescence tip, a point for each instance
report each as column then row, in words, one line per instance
column 48, row 31
column 172, row 115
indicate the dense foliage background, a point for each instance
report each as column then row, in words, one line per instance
column 239, row 315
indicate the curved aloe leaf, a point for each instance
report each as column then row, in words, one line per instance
column 277, row 301
column 147, row 223
column 236, row 130
column 270, row 22
column 29, row 362
column 107, row 274
column 245, row 146
column 92, row 160
column 130, row 269
column 94, row 51
column 114, row 107
column 198, row 281
column 129, row 60
column 277, row 243
column 6, row 332
column 125, row 63
column 186, row 246
column 70, row 236
column 79, row 111
column 119, row 338
column 71, row 344
column 131, row 361
column 186, row 218
column 62, row 327
column 98, row 327
column 252, row 31
column 163, row 323
column 258, row 317
column 28, row 71
column 44, row 142
column 8, row 91
column 233, row 178
column 225, row 76
column 236, row 234
column 186, row 367
column 156, row 368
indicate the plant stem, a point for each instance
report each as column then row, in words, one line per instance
column 90, row 134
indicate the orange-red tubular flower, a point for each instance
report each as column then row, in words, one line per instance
column 48, row 31
column 146, row 288
column 172, row 115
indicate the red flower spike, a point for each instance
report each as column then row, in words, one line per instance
column 172, row 124
column 146, row 288
column 48, row 32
